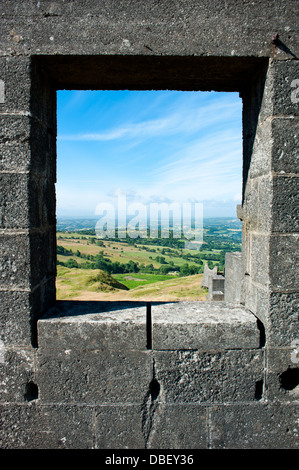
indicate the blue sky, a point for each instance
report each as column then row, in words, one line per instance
column 151, row 146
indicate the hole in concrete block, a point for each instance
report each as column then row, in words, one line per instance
column 259, row 389
column 289, row 379
column 262, row 333
column 154, row 389
column 31, row 392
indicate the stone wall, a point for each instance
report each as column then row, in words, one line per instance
column 86, row 376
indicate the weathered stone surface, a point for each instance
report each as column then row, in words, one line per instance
column 285, row 157
column 46, row 427
column 233, row 292
column 284, row 262
column 15, row 72
column 15, row 317
column 216, row 286
column 283, row 319
column 16, row 372
column 93, row 376
column 285, row 72
column 285, row 217
column 164, row 28
column 15, row 260
column 208, row 377
column 14, row 201
column 259, row 262
column 202, row 325
column 191, row 433
column 255, row 426
column 207, row 273
column 283, row 373
column 26, row 201
column 119, row 427
column 94, row 325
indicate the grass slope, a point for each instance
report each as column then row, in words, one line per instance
column 80, row 284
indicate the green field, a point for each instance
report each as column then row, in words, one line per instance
column 88, row 267
column 135, row 280
column 84, row 284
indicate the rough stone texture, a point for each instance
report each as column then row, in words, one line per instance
column 46, row 427
column 119, row 427
column 223, row 398
column 208, row 377
column 207, row 272
column 200, row 325
column 255, row 426
column 192, row 433
column 93, row 376
column 233, row 291
column 216, row 286
column 94, row 326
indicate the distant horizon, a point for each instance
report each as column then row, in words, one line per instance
column 87, row 217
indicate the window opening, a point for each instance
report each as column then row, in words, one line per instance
column 147, row 188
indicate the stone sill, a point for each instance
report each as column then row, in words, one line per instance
column 128, row 325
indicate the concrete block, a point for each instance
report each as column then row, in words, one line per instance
column 208, row 377
column 94, row 352
column 283, row 262
column 216, row 296
column 285, row 204
column 191, row 433
column 20, row 311
column 284, row 319
column 15, row 318
column 216, row 283
column 216, row 288
column 26, row 202
column 202, row 325
column 14, row 143
column 17, row 374
column 260, row 163
column 155, row 427
column 94, row 325
column 260, row 244
column 119, row 427
column 14, row 201
column 240, row 211
column 94, row 376
column 283, row 373
column 15, row 267
column 46, row 427
column 15, row 72
column 264, row 206
column 233, row 278
column 43, row 256
column 207, row 273
column 285, row 73
column 285, row 156
column 251, row 205
column 255, row 426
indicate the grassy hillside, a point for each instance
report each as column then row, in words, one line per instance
column 71, row 282
column 141, row 269
column 87, row 284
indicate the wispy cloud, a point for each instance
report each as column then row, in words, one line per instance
column 186, row 118
column 177, row 148
column 142, row 129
